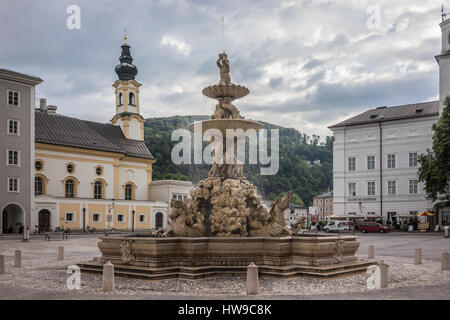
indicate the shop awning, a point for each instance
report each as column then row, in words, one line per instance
column 424, row 214
column 337, row 217
column 355, row 216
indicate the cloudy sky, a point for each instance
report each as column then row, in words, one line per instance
column 308, row 64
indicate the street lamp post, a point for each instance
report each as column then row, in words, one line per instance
column 84, row 220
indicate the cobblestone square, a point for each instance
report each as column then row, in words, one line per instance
column 44, row 277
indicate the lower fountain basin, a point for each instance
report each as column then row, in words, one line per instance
column 195, row 258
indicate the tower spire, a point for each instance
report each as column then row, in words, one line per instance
column 128, row 116
column 126, row 70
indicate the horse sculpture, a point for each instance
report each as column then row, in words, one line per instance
column 184, row 221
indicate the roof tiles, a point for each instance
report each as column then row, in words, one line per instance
column 424, row 109
column 71, row 132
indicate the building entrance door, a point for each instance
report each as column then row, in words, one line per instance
column 158, row 220
column 13, row 219
column 44, row 220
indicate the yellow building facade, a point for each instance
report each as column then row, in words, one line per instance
column 91, row 175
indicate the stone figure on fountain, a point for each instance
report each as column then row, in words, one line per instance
column 224, row 66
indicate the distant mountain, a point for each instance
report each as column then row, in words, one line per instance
column 300, row 170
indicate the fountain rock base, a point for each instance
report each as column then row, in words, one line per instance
column 197, row 258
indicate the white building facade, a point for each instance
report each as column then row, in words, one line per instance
column 375, row 164
column 375, row 156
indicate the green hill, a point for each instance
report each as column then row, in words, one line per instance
column 295, row 174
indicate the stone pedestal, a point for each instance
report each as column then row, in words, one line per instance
column 18, row 258
column 60, row 253
column 371, row 254
column 2, row 264
column 445, row 261
column 252, row 279
column 383, row 274
column 26, row 235
column 418, row 256
column 108, row 277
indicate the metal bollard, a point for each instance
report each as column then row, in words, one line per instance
column 252, row 279
column 445, row 265
column 2, row 264
column 418, row 256
column 18, row 258
column 371, row 254
column 60, row 253
column 446, row 232
column 108, row 277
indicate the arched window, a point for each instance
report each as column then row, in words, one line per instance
column 38, row 186
column 129, row 192
column 120, row 98
column 70, row 188
column 98, row 190
column 132, row 99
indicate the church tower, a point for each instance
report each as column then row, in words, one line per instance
column 444, row 61
column 127, row 97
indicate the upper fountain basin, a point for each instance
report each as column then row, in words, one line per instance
column 222, row 91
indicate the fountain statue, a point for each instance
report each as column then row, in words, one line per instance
column 225, row 203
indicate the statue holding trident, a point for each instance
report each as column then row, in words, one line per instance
column 224, row 66
column 225, row 109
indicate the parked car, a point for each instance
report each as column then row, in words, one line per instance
column 334, row 226
column 372, row 227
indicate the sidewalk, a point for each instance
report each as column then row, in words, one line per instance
column 358, row 233
column 41, row 236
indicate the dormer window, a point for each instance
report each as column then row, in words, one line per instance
column 419, row 110
column 373, row 116
column 120, row 98
column 132, row 99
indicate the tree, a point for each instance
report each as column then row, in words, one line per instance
column 295, row 149
column 295, row 199
column 435, row 164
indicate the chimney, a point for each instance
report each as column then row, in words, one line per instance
column 43, row 104
column 51, row 109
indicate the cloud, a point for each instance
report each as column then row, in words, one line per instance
column 180, row 45
column 307, row 63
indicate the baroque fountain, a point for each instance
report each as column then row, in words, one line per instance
column 224, row 226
